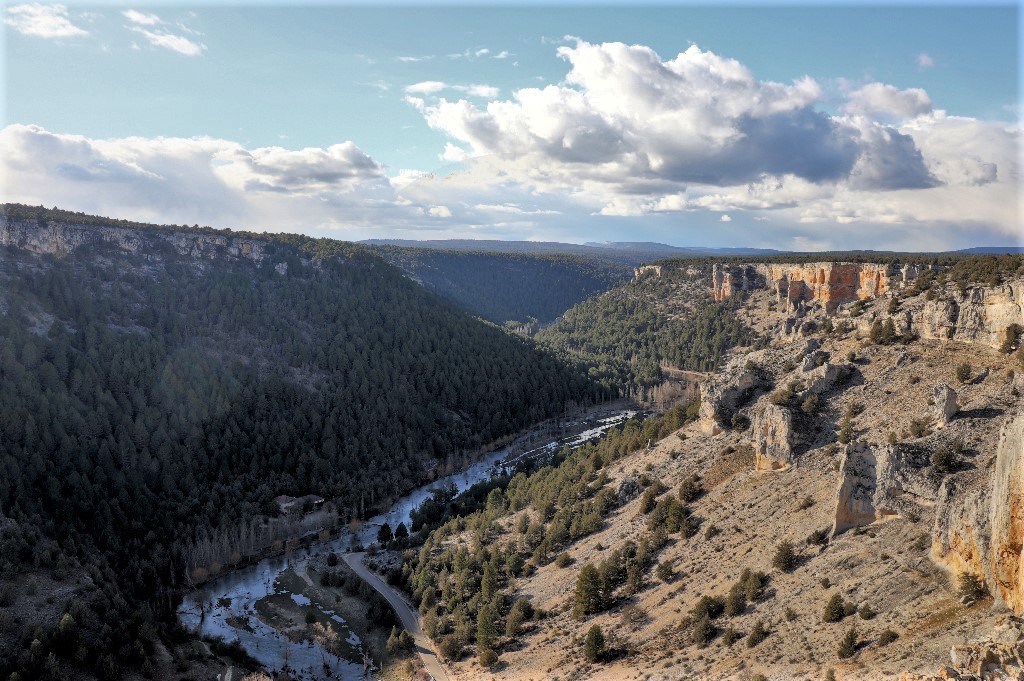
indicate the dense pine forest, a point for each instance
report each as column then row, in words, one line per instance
column 509, row 287
column 150, row 401
column 628, row 333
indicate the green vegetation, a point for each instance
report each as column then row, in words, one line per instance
column 835, row 609
column 848, row 645
column 509, row 287
column 785, row 557
column 556, row 504
column 627, row 333
column 593, row 646
column 151, row 408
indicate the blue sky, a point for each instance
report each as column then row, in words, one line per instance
column 797, row 126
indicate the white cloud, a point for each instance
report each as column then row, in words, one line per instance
column 504, row 54
column 725, row 218
column 433, row 87
column 427, row 87
column 413, row 60
column 42, row 21
column 171, row 41
column 887, row 102
column 140, row 18
column 924, row 61
column 439, row 212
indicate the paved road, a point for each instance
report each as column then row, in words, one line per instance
column 408, row 615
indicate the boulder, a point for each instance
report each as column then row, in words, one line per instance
column 772, row 438
column 945, row 404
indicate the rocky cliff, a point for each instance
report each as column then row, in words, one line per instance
column 62, row 238
column 979, row 521
column 829, row 283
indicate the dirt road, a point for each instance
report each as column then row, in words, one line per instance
column 408, row 615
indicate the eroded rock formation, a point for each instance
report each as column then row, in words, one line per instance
column 945, row 405
column 773, row 438
column 979, row 521
column 878, row 482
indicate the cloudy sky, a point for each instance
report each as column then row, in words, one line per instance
column 800, row 127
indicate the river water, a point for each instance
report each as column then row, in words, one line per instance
column 233, row 596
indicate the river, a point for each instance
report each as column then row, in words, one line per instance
column 233, row 597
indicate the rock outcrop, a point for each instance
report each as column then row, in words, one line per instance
column 62, row 238
column 997, row 657
column 827, row 376
column 877, row 483
column 828, row 283
column 722, row 395
column 1007, row 517
column 945, row 405
column 772, row 438
column 979, row 522
column 981, row 314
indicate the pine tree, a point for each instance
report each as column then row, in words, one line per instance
column 593, row 647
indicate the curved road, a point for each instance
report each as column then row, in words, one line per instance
column 408, row 615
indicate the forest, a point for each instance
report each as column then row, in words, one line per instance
column 509, row 287
column 628, row 333
column 150, row 401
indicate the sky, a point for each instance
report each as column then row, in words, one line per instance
column 797, row 127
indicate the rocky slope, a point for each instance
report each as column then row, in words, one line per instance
column 890, row 470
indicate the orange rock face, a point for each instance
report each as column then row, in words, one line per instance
column 830, row 283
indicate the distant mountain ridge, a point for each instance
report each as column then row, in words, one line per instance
column 633, row 252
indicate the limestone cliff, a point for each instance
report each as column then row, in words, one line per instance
column 979, row 522
column 828, row 283
column 62, row 238
column 981, row 314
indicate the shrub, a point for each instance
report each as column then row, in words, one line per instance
column 919, row 427
column 451, row 648
column 784, row 558
column 753, row 584
column 845, row 431
column 488, row 658
column 703, row 632
column 757, row 634
column 664, row 571
column 944, row 460
column 730, row 635
column 848, row 646
column 866, row 612
column 805, row 503
column 810, row 405
column 740, row 422
column 835, row 609
column 790, row 614
column 963, row 372
column 971, row 586
column 709, row 607
column 564, row 560
column 887, row 637
column 818, row 537
column 736, row 601
column 690, row 489
column 593, row 646
column 830, row 675
column 310, row 617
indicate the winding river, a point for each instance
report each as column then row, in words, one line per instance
column 226, row 607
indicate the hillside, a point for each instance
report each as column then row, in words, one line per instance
column 844, row 503
column 160, row 386
column 661, row 320
column 509, row 287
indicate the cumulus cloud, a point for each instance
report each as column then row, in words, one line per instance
column 924, row 61
column 622, row 113
column 725, row 218
column 42, row 21
column 883, row 101
column 189, row 180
